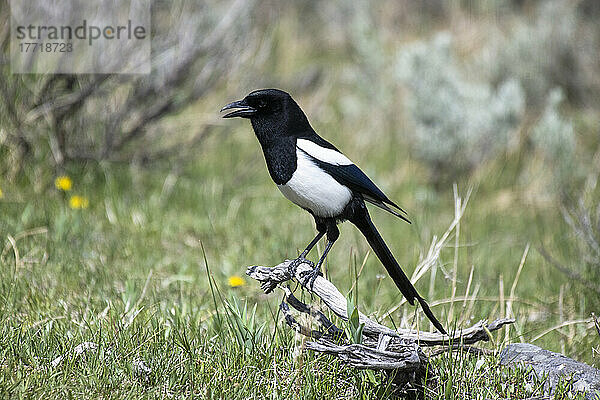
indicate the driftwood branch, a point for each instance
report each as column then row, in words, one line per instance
column 382, row 348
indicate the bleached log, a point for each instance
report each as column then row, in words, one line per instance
column 382, row 348
column 270, row 277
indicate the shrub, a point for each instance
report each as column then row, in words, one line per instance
column 553, row 47
column 584, row 221
column 583, row 265
column 60, row 118
column 458, row 123
column 554, row 137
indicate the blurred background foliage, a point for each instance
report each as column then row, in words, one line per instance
column 500, row 95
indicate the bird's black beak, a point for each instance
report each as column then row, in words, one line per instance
column 245, row 111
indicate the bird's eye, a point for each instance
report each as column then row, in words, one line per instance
column 262, row 104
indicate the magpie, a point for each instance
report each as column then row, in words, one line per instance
column 315, row 175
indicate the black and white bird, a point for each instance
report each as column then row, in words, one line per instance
column 315, row 175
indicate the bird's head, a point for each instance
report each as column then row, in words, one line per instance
column 262, row 103
column 271, row 111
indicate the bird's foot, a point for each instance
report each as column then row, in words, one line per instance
column 293, row 266
column 310, row 277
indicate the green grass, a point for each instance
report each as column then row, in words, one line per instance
column 132, row 274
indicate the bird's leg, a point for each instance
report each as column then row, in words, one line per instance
column 324, row 226
column 312, row 275
column 302, row 257
column 311, row 245
column 332, row 235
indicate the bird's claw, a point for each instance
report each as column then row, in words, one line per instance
column 293, row 266
column 310, row 277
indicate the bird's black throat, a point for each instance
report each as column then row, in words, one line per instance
column 277, row 134
column 281, row 159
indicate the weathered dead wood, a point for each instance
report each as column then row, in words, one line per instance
column 270, row 277
column 549, row 368
column 382, row 348
column 362, row 356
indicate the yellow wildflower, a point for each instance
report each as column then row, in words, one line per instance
column 63, row 183
column 1, row 194
column 236, row 281
column 78, row 202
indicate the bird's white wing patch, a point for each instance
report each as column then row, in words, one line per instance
column 324, row 154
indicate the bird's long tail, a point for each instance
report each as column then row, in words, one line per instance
column 365, row 225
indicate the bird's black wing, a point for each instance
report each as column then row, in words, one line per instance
column 352, row 177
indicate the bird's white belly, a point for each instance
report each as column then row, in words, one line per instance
column 314, row 189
